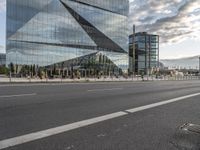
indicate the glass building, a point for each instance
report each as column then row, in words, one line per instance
column 68, row 34
column 2, row 59
column 143, row 53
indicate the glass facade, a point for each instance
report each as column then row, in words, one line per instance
column 2, row 59
column 49, row 32
column 146, row 52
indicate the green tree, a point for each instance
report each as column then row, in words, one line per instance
column 12, row 69
column 34, row 70
column 54, row 70
column 4, row 70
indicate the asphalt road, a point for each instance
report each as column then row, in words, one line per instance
column 33, row 108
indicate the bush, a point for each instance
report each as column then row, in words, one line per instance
column 4, row 70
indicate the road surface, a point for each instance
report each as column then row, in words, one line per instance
column 96, row 116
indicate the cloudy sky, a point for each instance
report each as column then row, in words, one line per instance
column 176, row 21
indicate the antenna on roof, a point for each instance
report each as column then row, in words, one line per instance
column 134, row 29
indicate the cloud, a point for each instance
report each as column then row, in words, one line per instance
column 2, row 5
column 173, row 20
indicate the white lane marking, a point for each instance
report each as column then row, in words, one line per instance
column 161, row 103
column 19, row 95
column 46, row 133
column 66, row 83
column 111, row 89
column 57, row 130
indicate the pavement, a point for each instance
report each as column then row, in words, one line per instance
column 68, row 80
column 6, row 80
column 97, row 116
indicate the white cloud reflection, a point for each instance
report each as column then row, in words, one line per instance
column 2, row 5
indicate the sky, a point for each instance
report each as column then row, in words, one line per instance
column 176, row 21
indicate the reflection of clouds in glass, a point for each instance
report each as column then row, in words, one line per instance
column 113, row 25
column 119, row 59
column 53, row 26
column 34, row 3
column 2, row 5
column 2, row 49
column 116, row 6
column 44, row 54
column 173, row 20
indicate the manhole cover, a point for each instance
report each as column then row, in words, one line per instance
column 191, row 128
column 187, row 137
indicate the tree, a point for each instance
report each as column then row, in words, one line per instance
column 16, row 70
column 4, row 70
column 54, row 69
column 41, row 73
column 12, row 69
column 23, row 70
column 34, row 70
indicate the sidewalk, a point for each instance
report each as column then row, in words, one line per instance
column 57, row 80
column 121, row 79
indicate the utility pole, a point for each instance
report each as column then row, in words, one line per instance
column 133, row 60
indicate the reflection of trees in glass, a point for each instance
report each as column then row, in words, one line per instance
column 93, row 65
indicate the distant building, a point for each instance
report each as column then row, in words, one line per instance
column 143, row 53
column 182, row 63
column 2, row 59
